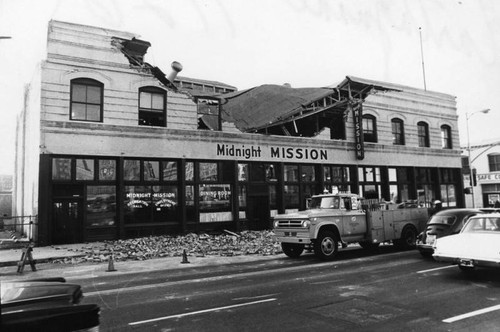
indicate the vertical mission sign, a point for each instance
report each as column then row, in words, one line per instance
column 357, row 110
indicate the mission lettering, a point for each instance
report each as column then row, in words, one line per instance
column 230, row 150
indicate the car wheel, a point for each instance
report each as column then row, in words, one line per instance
column 292, row 250
column 369, row 245
column 466, row 269
column 408, row 238
column 326, row 245
column 426, row 254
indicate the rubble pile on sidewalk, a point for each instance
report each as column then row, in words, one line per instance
column 199, row 245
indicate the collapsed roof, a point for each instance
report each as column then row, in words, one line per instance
column 135, row 49
column 281, row 110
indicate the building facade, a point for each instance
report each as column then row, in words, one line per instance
column 483, row 187
column 109, row 147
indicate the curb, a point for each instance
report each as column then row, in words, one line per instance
column 39, row 260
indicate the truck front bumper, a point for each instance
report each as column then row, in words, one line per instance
column 293, row 236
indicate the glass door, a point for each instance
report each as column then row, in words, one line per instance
column 67, row 217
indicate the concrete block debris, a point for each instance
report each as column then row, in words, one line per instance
column 226, row 243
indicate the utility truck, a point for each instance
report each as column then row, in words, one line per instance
column 344, row 218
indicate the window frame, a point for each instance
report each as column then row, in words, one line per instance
column 446, row 142
column 398, row 131
column 494, row 163
column 423, row 134
column 369, row 135
column 151, row 112
column 87, row 82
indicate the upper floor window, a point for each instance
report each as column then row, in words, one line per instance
column 208, row 114
column 494, row 162
column 446, row 137
column 398, row 134
column 152, row 111
column 86, row 100
column 369, row 128
column 423, row 134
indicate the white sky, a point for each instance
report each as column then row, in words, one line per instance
column 307, row 43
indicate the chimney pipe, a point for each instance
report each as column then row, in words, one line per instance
column 176, row 68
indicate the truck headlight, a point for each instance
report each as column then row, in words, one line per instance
column 276, row 223
column 306, row 223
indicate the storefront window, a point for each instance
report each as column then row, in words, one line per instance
column 169, row 169
column 107, row 170
column 131, row 170
column 291, row 194
column 340, row 174
column 189, row 171
column 393, row 175
column 291, row 173
column 85, row 169
column 208, row 172
column 215, row 203
column 448, row 197
column 425, row 195
column 273, row 197
column 307, row 173
column 327, row 174
column 191, row 215
column 165, row 203
column 270, row 172
column 101, row 206
column 242, row 196
column 61, row 169
column 242, row 172
column 151, row 204
column 151, row 171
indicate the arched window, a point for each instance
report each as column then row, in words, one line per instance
column 446, row 137
column 398, row 133
column 86, row 100
column 369, row 128
column 423, row 134
column 152, row 110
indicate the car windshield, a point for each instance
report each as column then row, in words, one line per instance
column 484, row 224
column 332, row 202
column 446, row 220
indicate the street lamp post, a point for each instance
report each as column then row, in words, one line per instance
column 467, row 117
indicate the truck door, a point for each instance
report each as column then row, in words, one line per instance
column 353, row 221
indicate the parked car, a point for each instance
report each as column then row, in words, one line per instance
column 442, row 223
column 477, row 244
column 45, row 305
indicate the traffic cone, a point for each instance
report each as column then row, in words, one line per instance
column 111, row 263
column 184, row 257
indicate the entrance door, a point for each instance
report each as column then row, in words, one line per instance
column 67, row 221
column 258, row 206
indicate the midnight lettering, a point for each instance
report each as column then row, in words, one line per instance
column 243, row 152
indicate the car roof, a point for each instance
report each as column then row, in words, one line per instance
column 488, row 215
column 457, row 211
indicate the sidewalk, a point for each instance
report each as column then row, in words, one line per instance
column 45, row 266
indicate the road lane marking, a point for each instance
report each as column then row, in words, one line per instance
column 471, row 314
column 200, row 312
column 436, row 269
column 254, row 297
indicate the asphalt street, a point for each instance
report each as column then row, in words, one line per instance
column 387, row 290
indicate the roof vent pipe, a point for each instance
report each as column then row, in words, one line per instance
column 176, row 68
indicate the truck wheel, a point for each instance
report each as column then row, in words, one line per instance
column 326, row 245
column 292, row 250
column 369, row 245
column 408, row 238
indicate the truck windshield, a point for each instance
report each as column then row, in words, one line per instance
column 325, row 202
